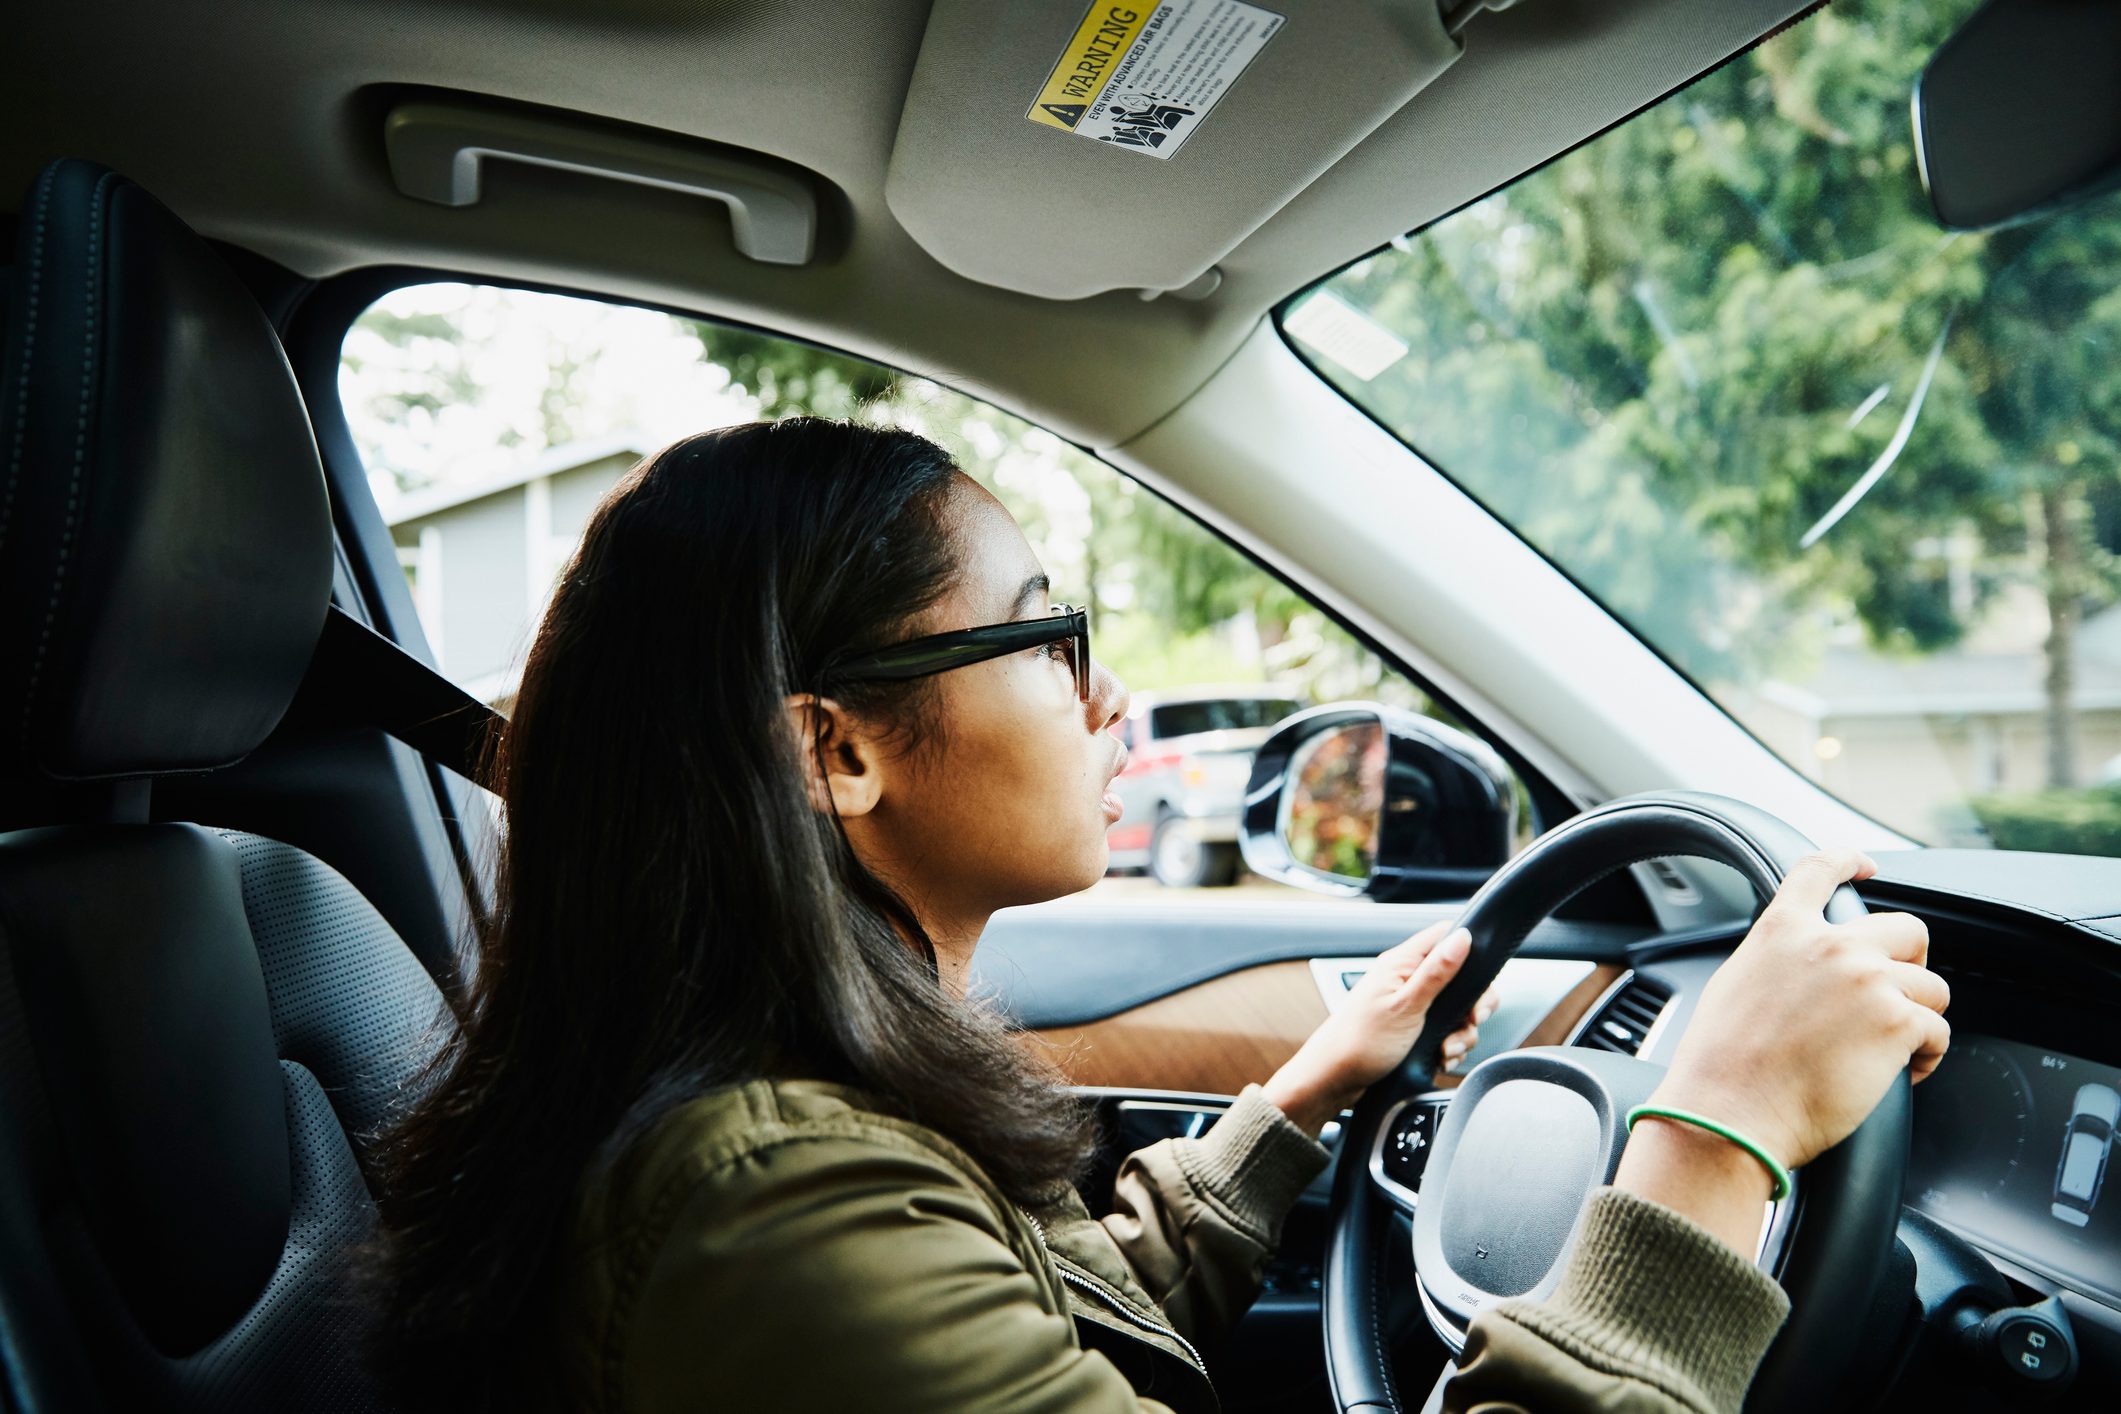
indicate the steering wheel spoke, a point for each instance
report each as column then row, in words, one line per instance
column 1531, row 1133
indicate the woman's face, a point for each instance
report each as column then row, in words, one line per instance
column 1007, row 798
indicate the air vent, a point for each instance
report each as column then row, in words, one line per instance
column 1675, row 883
column 1623, row 1020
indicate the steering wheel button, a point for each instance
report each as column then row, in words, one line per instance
column 2031, row 1350
column 1406, row 1153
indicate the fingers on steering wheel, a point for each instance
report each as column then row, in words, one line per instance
column 1413, row 950
column 1903, row 936
column 1387, row 976
column 1922, row 986
column 1813, row 879
column 1439, row 966
column 1459, row 1044
column 1932, row 1036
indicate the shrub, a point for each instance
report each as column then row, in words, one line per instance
column 2058, row 821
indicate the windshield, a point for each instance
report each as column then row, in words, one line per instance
column 1855, row 476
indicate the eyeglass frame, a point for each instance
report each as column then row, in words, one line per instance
column 961, row 648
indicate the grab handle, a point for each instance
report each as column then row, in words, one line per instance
column 438, row 150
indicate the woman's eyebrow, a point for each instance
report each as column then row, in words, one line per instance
column 1034, row 589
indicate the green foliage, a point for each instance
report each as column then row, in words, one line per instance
column 1678, row 320
column 421, row 370
column 788, row 377
column 1667, row 355
column 1148, row 657
column 2058, row 821
column 1171, row 603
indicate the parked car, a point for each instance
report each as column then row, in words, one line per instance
column 2086, row 1146
column 1189, row 754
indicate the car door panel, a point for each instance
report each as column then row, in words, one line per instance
column 1078, row 961
column 1215, row 1036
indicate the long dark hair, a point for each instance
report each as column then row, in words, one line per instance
column 672, row 913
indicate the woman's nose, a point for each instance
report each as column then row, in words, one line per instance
column 1108, row 696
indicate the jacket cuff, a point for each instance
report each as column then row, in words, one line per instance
column 1254, row 1162
column 1653, row 1295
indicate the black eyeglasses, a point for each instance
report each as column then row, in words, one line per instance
column 960, row 648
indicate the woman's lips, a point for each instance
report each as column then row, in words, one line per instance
column 1113, row 808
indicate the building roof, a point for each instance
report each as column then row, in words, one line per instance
column 416, row 505
column 1857, row 682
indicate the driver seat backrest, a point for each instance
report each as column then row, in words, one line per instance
column 201, row 1030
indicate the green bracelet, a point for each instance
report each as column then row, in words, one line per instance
column 1775, row 1170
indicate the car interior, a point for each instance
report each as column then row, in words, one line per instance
column 240, row 844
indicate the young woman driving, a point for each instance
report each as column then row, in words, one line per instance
column 719, row 1127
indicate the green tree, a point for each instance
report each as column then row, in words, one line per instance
column 410, row 367
column 789, row 377
column 1707, row 325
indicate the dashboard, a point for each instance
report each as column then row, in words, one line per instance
column 2011, row 1148
column 2014, row 1135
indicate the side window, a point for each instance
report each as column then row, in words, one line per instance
column 492, row 420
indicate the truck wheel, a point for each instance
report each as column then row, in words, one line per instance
column 1179, row 861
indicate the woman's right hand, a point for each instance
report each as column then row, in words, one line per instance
column 1801, row 1030
column 1795, row 1040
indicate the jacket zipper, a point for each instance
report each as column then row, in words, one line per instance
column 1112, row 1303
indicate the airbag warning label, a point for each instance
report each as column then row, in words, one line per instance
column 1143, row 76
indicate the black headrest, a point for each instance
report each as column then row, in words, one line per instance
column 165, row 539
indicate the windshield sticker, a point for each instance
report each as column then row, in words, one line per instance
column 1329, row 325
column 1143, row 77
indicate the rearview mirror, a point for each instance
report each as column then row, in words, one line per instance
column 1358, row 799
column 2019, row 113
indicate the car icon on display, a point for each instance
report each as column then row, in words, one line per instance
column 2086, row 1144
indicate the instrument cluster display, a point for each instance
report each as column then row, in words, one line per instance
column 2013, row 1146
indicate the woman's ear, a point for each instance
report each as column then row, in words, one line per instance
column 841, row 763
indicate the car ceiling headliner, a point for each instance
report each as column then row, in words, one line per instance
column 261, row 124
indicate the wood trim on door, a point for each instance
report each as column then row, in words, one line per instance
column 1217, row 1037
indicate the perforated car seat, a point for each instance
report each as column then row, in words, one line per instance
column 200, row 1029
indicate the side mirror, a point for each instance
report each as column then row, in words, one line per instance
column 2018, row 114
column 1358, row 799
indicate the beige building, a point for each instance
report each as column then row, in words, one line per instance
column 482, row 555
column 1908, row 739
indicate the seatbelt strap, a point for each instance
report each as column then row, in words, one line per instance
column 357, row 676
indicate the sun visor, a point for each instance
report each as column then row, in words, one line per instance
column 1065, row 152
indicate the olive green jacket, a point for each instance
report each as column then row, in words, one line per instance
column 788, row 1245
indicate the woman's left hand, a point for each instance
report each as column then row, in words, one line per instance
column 1372, row 1032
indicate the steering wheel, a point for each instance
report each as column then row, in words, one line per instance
column 1529, row 1133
